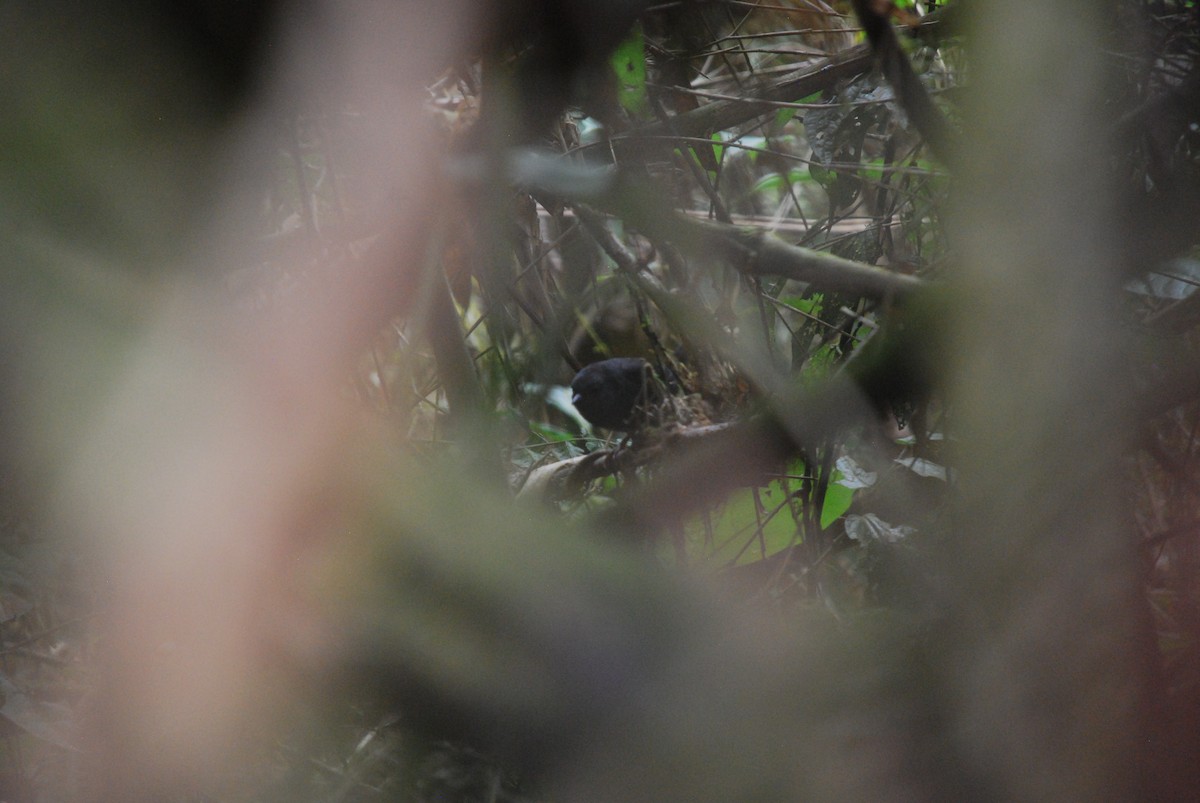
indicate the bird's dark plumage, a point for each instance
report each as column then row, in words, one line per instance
column 608, row 392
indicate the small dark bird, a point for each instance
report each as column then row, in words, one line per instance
column 609, row 392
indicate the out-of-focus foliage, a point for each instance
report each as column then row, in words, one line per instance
column 295, row 502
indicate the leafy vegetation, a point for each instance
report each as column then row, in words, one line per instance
column 296, row 505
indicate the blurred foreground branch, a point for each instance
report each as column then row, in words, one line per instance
column 248, row 551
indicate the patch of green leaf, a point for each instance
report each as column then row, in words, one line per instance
column 550, row 433
column 837, row 501
column 817, row 367
column 739, row 532
column 742, row 530
column 629, row 66
column 772, row 182
column 776, row 182
column 872, row 170
column 809, row 304
column 718, row 147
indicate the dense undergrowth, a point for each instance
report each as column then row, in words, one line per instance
column 760, row 201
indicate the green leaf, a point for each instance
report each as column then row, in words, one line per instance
column 775, row 182
column 550, row 433
column 772, row 182
column 797, row 174
column 629, row 66
column 730, row 532
column 819, row 365
column 810, row 304
column 837, row 502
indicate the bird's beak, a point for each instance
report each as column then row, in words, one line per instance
column 575, row 399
